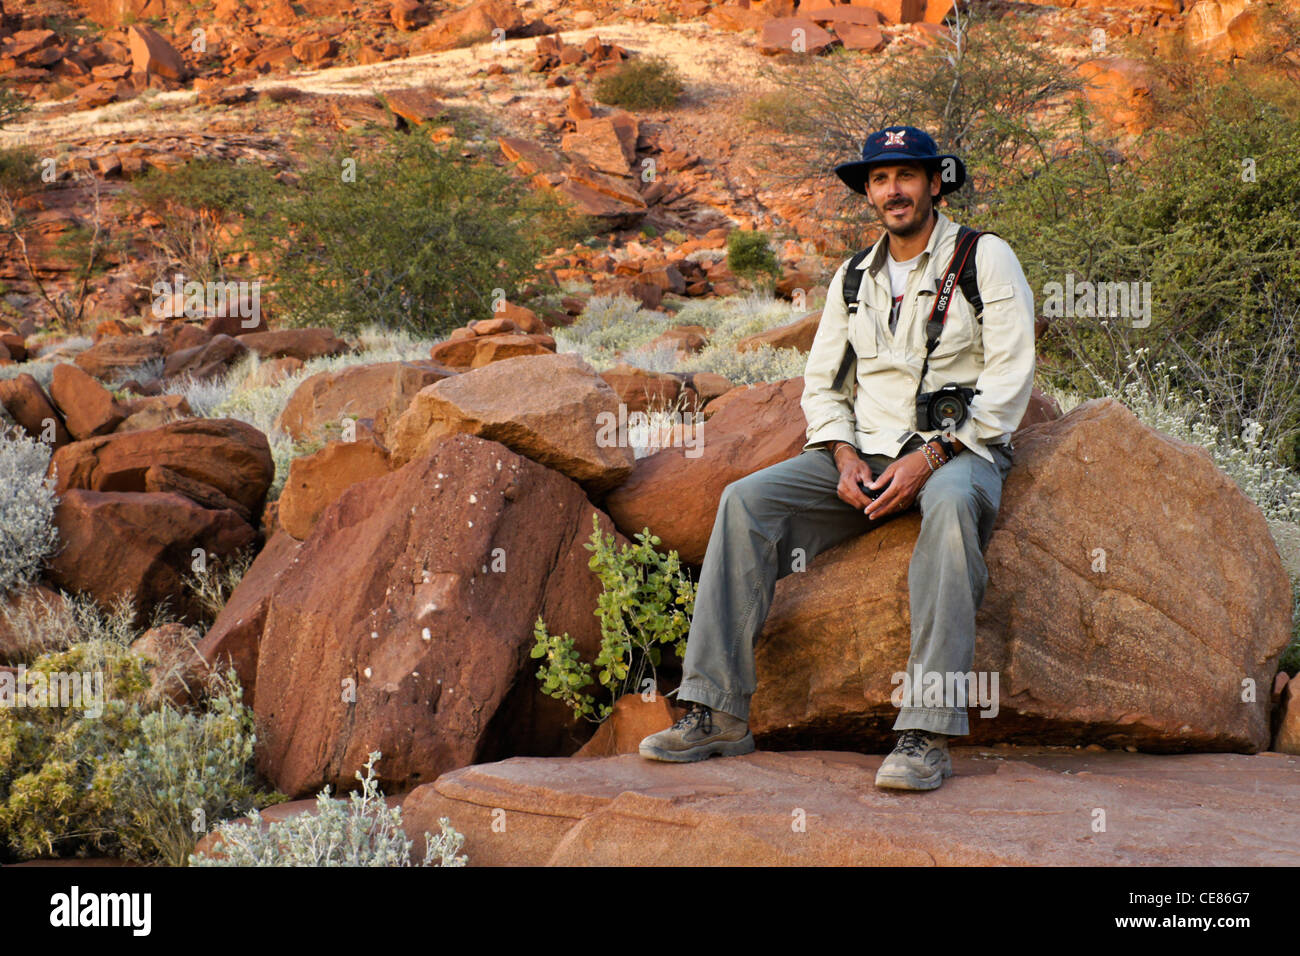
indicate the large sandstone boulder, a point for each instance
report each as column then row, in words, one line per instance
column 795, row 335
column 1134, row 593
column 229, row 455
column 379, row 392
column 548, row 407
column 1012, row 807
column 141, row 545
column 404, row 622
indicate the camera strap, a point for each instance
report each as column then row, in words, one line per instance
column 966, row 239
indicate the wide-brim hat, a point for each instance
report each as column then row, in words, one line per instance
column 895, row 144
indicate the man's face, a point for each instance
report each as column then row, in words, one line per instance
column 902, row 195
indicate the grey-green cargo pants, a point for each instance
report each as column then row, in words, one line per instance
column 763, row 517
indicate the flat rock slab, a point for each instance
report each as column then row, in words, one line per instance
column 1003, row 806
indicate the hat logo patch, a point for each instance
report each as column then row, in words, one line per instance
column 895, row 137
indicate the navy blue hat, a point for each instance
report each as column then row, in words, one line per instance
column 898, row 144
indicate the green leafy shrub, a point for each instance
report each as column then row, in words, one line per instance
column 412, row 236
column 749, row 255
column 646, row 604
column 194, row 202
column 643, row 83
column 365, row 832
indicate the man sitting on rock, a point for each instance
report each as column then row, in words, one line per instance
column 800, row 507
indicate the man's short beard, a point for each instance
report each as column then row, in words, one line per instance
column 913, row 230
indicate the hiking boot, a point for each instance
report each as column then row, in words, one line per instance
column 701, row 733
column 919, row 761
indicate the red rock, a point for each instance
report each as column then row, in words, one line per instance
column 472, row 24
column 228, row 455
column 1110, row 592
column 139, row 545
column 30, row 408
column 794, row 35
column 394, row 595
column 177, row 671
column 410, row 15
column 549, row 408
column 797, row 335
column 639, row 389
column 154, row 410
column 120, row 353
column 481, row 350
column 14, row 345
column 1287, row 739
column 160, row 478
column 896, row 11
column 150, row 53
column 235, row 325
column 182, row 335
column 1119, row 88
column 88, row 408
column 301, row 344
column 632, row 720
column 28, row 603
column 315, row 481
column 210, row 360
column 821, row 808
column 380, row 392
column 856, row 37
column 232, row 640
column 752, row 428
column 526, row 319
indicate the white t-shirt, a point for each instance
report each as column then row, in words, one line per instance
column 898, row 273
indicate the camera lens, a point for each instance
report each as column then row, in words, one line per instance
column 948, row 407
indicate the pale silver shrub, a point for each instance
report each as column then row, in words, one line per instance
column 27, row 532
column 364, row 832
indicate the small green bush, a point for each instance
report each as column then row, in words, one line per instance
column 646, row 603
column 412, row 236
column 643, row 83
column 749, row 255
column 366, row 832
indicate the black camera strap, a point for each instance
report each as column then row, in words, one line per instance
column 966, row 239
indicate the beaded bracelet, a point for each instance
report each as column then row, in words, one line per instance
column 931, row 458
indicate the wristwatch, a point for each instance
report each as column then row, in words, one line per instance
column 948, row 449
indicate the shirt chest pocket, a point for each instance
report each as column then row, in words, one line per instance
column 862, row 334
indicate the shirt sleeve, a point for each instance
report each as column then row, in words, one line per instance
column 1009, row 357
column 829, row 412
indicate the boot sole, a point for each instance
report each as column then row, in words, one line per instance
column 720, row 748
column 913, row 781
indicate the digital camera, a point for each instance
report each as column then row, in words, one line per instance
column 943, row 408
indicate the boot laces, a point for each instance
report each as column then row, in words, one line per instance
column 913, row 742
column 698, row 715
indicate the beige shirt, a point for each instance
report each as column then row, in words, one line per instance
column 877, row 412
